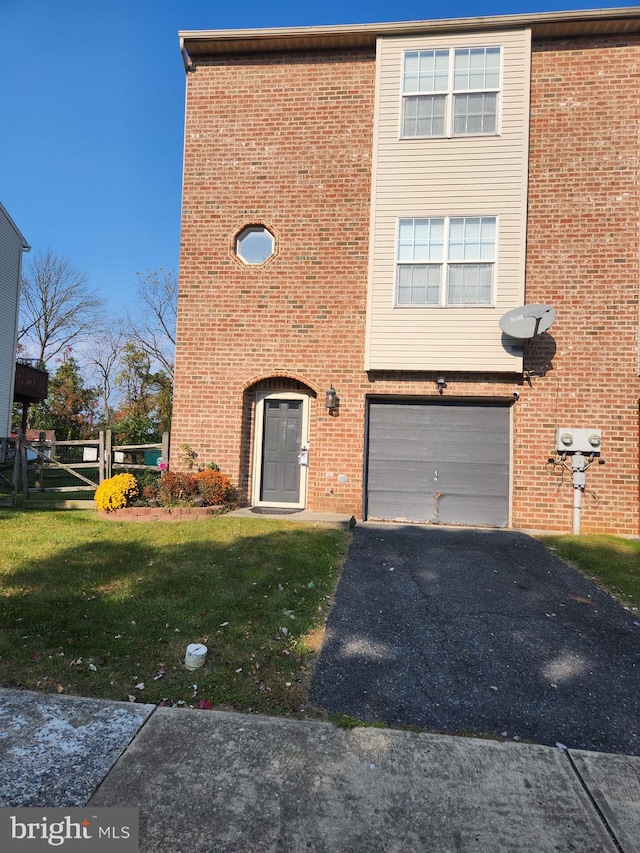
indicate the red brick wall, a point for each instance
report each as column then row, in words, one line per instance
column 582, row 258
column 286, row 140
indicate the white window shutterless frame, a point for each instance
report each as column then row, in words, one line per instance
column 451, row 92
column 446, row 261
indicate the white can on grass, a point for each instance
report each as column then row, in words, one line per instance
column 195, row 656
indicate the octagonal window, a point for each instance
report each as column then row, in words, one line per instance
column 255, row 244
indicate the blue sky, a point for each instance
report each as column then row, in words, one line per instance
column 92, row 107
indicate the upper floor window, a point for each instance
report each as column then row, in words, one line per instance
column 446, row 261
column 450, row 92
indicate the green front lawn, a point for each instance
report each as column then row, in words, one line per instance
column 105, row 608
column 610, row 561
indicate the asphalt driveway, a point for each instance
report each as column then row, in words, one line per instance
column 479, row 631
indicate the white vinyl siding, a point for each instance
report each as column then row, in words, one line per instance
column 11, row 247
column 456, row 177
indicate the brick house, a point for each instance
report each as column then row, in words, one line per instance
column 361, row 206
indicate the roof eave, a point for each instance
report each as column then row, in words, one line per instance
column 25, row 246
column 542, row 24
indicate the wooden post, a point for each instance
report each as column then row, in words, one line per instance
column 108, row 454
column 101, row 457
column 40, row 446
column 16, row 470
column 165, row 447
column 21, row 448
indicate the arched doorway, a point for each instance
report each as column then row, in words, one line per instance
column 280, row 445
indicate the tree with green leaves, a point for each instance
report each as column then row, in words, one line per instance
column 146, row 396
column 70, row 407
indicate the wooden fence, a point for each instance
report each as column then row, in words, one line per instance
column 65, row 467
column 9, row 469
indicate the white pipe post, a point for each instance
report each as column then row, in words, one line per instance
column 579, row 482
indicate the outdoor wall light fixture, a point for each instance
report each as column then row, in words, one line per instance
column 331, row 398
column 440, row 382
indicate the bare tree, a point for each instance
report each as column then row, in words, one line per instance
column 152, row 324
column 103, row 361
column 57, row 308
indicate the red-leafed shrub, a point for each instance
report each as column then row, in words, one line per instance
column 150, row 493
column 214, row 487
column 177, row 489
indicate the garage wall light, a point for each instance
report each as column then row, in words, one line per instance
column 331, row 398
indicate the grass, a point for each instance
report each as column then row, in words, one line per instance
column 101, row 608
column 613, row 563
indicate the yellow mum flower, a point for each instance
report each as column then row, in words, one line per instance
column 116, row 492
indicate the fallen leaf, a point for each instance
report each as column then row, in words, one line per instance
column 580, row 599
column 140, row 685
column 204, row 705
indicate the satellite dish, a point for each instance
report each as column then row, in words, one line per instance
column 527, row 321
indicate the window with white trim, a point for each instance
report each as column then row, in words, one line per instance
column 255, row 244
column 446, row 261
column 450, row 92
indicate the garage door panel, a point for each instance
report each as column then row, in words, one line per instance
column 465, row 509
column 399, row 449
column 439, row 463
column 398, row 470
column 415, row 507
column 456, row 448
column 438, row 447
column 457, row 477
column 473, row 478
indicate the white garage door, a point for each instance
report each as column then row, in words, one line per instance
column 438, row 463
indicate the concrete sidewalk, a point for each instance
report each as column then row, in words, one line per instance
column 216, row 782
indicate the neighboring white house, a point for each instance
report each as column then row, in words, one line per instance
column 12, row 245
